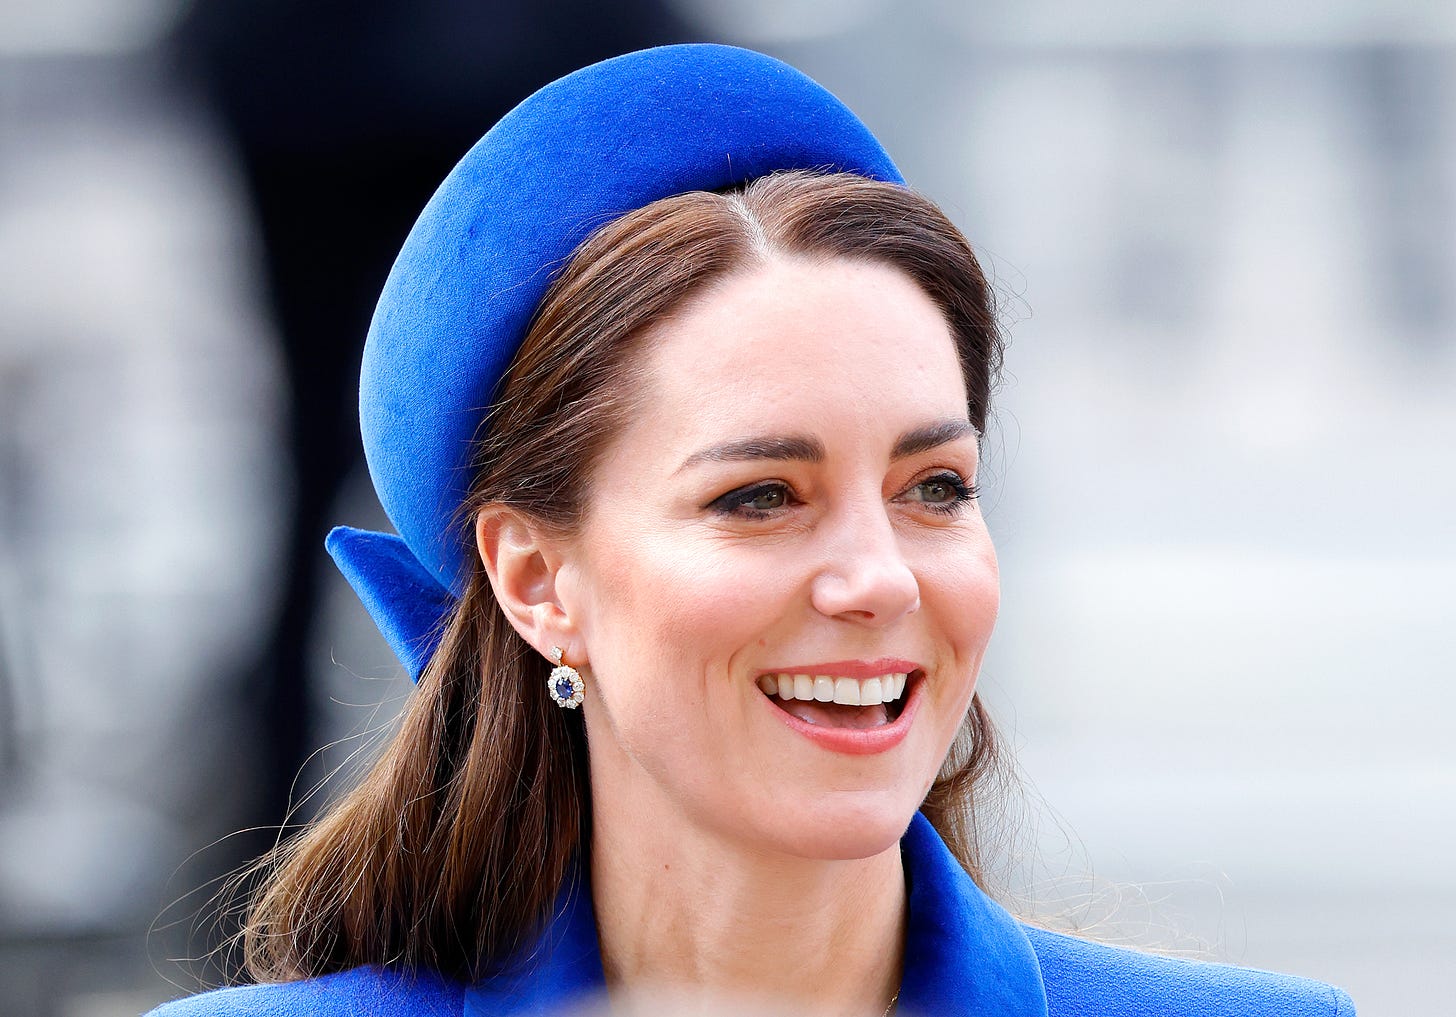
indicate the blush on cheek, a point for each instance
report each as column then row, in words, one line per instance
column 651, row 608
column 699, row 594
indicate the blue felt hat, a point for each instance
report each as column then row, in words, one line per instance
column 582, row 151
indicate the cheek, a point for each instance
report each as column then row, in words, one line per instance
column 966, row 572
column 977, row 587
column 962, row 594
column 659, row 604
column 664, row 624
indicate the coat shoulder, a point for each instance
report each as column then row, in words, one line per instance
column 361, row 992
column 1087, row 979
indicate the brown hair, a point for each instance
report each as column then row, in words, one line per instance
column 451, row 851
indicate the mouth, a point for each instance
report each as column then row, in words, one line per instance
column 829, row 700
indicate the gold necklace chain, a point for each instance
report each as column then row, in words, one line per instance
column 893, row 1000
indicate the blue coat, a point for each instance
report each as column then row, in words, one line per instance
column 964, row 955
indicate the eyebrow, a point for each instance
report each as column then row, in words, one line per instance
column 804, row 448
column 932, row 436
column 789, row 447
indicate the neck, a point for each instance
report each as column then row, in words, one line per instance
column 696, row 916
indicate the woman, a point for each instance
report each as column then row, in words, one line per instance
column 675, row 397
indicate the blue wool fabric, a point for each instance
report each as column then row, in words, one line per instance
column 577, row 154
column 964, row 957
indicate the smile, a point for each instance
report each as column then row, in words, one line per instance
column 885, row 688
column 866, row 711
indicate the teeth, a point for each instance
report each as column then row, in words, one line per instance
column 885, row 688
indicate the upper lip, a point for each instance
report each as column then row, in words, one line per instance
column 850, row 668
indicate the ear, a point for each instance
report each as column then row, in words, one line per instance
column 522, row 563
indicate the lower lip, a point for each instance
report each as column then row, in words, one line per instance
column 857, row 741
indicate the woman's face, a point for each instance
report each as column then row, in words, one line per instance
column 789, row 513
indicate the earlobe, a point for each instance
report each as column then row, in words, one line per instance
column 522, row 566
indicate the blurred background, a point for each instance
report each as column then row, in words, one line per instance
column 1224, row 236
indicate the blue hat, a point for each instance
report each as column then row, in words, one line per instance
column 577, row 154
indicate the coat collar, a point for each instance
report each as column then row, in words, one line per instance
column 964, row 954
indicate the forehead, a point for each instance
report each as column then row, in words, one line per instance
column 793, row 341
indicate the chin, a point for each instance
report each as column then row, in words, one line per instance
column 847, row 825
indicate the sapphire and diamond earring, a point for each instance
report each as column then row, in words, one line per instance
column 565, row 684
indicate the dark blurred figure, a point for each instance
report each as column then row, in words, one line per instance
column 345, row 116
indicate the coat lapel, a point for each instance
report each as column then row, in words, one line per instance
column 964, row 954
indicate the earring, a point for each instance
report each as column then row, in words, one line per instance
column 565, row 684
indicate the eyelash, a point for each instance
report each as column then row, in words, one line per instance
column 963, row 492
column 736, row 503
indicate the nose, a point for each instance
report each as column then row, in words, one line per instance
column 865, row 577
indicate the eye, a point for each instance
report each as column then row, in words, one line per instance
column 756, row 501
column 943, row 492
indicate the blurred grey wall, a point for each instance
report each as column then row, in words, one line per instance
column 139, row 501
